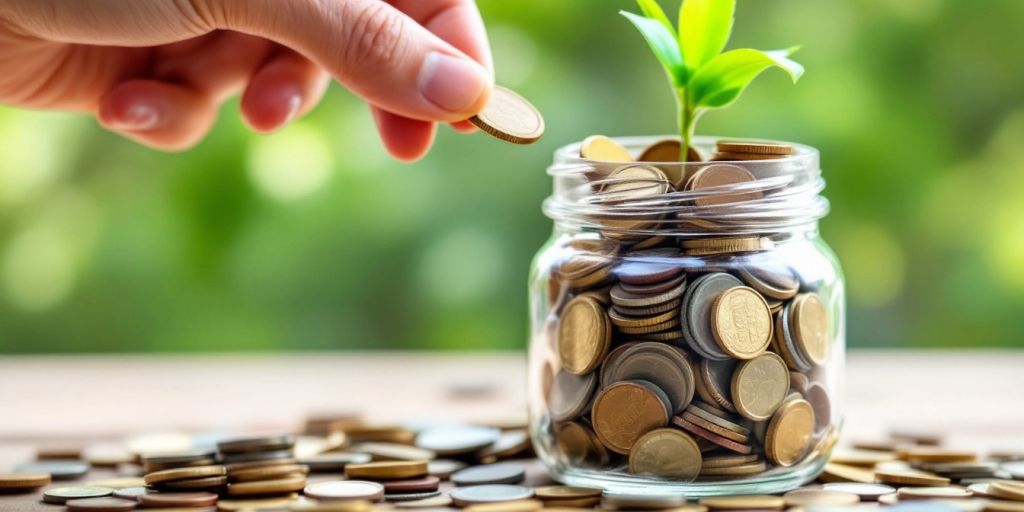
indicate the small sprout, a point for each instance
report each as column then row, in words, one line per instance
column 702, row 75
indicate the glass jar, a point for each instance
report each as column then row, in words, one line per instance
column 687, row 324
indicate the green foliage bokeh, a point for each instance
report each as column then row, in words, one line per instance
column 313, row 239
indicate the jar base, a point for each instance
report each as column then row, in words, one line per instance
column 783, row 481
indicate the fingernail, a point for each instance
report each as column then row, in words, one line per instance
column 292, row 101
column 140, row 116
column 452, row 83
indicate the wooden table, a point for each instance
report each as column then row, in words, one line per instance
column 975, row 398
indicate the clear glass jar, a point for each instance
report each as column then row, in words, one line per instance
column 687, row 326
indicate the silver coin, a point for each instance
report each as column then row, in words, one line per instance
column 696, row 311
column 412, row 496
column 571, row 394
column 464, row 496
column 663, row 366
column 867, row 492
column 61, row 495
column 58, row 469
column 457, row 439
column 501, row 473
column 334, row 462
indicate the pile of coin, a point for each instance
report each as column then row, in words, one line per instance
column 684, row 357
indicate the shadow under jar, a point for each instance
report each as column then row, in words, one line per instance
column 687, row 325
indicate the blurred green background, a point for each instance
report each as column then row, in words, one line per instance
column 313, row 239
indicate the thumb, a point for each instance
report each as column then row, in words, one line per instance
column 373, row 49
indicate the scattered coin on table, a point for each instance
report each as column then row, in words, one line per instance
column 23, row 482
column 346, row 490
column 61, row 495
column 500, row 473
column 57, row 469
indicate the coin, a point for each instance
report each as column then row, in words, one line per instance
column 667, row 453
column 460, row 439
column 334, row 462
column 256, row 444
column 1007, row 490
column 631, row 183
column 105, row 504
column 840, row 473
column 346, row 490
column 720, row 418
column 866, row 492
column 507, row 506
column 390, row 470
column 580, row 446
column 561, row 492
column 822, row 405
column 441, row 501
column 641, row 272
column 500, row 473
column 930, row 454
column 660, row 501
column 23, row 482
column 759, row 386
column 664, row 366
column 696, row 313
column 130, row 493
column 478, row 494
column 748, row 502
column 722, row 441
column 416, row 485
column 717, row 177
column 178, row 499
column 712, row 246
column 742, row 323
column 268, row 473
column 752, row 468
column 761, row 148
column 789, row 433
column 571, row 394
column 57, row 469
column 724, row 461
column 584, row 334
column 61, row 495
column 714, row 382
column 713, row 427
column 822, row 497
column 930, row 493
column 665, row 150
column 331, row 506
column 604, row 149
column 193, row 484
column 772, row 279
column 624, row 411
column 256, row 456
column 277, row 486
column 620, row 297
column 169, row 475
column 910, row 478
column 810, row 330
column 511, row 443
column 509, row 117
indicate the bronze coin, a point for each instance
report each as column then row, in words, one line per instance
column 759, row 386
column 192, row 484
column 425, row 484
column 584, row 334
column 620, row 297
column 642, row 312
column 711, row 436
column 391, row 470
column 579, row 445
column 170, row 475
column 100, row 505
column 283, row 485
column 789, row 433
column 256, row 444
column 741, row 322
column 625, row 411
column 726, row 461
column 178, row 499
column 646, row 272
column 714, row 382
column 23, row 482
column 651, row 289
column 810, row 327
column 666, row 452
column 719, row 177
column 720, row 418
column 751, row 468
column 604, row 149
column 712, row 427
column 760, row 148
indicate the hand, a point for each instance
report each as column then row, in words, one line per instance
column 157, row 71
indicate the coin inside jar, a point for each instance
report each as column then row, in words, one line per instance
column 584, row 334
column 666, row 452
column 810, row 330
column 789, row 433
column 741, row 322
column 722, row 175
column 698, row 302
column 759, row 386
column 625, row 411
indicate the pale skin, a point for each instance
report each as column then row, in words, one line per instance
column 157, row 71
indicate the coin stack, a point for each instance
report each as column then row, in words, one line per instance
column 211, row 478
column 262, row 466
column 684, row 357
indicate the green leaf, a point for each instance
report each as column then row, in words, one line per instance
column 704, row 28
column 664, row 46
column 652, row 9
column 720, row 81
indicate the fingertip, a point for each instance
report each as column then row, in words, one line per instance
column 464, row 127
column 270, row 107
column 407, row 140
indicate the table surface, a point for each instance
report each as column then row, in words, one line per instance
column 974, row 398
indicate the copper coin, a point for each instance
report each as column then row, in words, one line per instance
column 256, row 444
column 509, row 117
column 651, row 289
column 720, row 418
column 100, row 505
column 178, row 499
column 578, row 444
column 169, row 475
column 624, row 411
column 417, row 485
column 653, row 310
column 712, row 427
column 711, row 436
column 192, row 484
column 645, row 272
column 720, row 177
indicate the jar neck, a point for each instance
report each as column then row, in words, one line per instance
column 778, row 198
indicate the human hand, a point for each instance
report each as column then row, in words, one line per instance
column 157, row 71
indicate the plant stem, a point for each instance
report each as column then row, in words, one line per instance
column 686, row 123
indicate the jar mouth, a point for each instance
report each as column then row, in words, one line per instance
column 776, row 195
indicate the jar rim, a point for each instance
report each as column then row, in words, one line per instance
column 782, row 194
